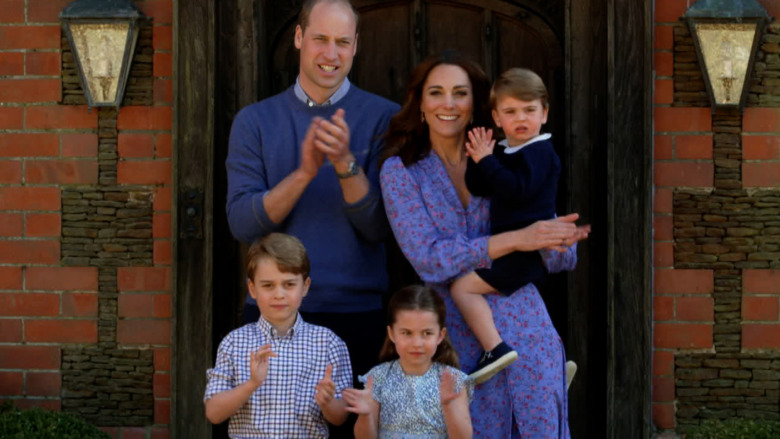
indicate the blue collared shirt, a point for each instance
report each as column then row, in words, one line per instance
column 283, row 406
column 335, row 97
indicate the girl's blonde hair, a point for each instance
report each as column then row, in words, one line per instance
column 413, row 298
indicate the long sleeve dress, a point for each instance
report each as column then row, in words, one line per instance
column 443, row 241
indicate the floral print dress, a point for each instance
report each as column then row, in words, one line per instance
column 443, row 241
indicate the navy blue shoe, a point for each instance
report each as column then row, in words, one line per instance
column 493, row 362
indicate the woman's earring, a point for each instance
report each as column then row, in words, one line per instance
column 422, row 117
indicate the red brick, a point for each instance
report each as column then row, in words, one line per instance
column 163, row 64
column 10, row 278
column 43, row 63
column 662, row 147
column 663, row 227
column 682, row 119
column 11, row 383
column 42, row 225
column 670, row 10
column 160, row 433
column 29, row 37
column 760, row 308
column 682, row 335
column 52, row 405
column 162, row 385
column 663, row 363
column 663, row 415
column 29, row 252
column 144, row 332
column 761, row 174
column 162, row 252
column 29, row 145
column 11, row 11
column 760, row 147
column 663, row 308
column 61, row 116
column 162, row 305
column 664, row 38
column 135, row 145
column 162, row 38
column 11, row 118
column 684, row 281
column 690, row 174
column 162, row 199
column 61, row 331
column 111, row 431
column 162, row 359
column 10, row 172
column 29, row 357
column 62, row 278
column 771, row 6
column 30, row 90
column 11, row 63
column 162, row 91
column 144, row 278
column 163, row 145
column 761, row 120
column 693, row 147
column 161, row 11
column 135, row 305
column 663, row 389
column 45, row 11
column 80, row 305
column 663, row 62
column 695, row 309
column 62, row 171
column 10, row 331
column 11, row 224
column 760, row 336
column 144, row 118
column 79, row 145
column 29, row 304
column 133, row 433
column 761, row 281
column 144, row 172
column 663, row 255
column 664, row 91
column 162, row 411
column 43, row 384
column 161, row 227
column 663, row 201
column 29, row 198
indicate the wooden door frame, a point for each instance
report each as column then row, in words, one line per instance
column 607, row 43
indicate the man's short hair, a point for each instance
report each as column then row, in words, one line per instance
column 286, row 251
column 521, row 84
column 308, row 5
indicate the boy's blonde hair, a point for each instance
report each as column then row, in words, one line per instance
column 521, row 84
column 286, row 251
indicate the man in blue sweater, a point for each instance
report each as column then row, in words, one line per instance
column 304, row 162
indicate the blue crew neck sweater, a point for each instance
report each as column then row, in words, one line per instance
column 344, row 241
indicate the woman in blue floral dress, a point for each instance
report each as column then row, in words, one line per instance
column 443, row 232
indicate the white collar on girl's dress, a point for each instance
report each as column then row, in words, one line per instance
column 514, row 149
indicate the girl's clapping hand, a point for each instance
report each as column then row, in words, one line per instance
column 361, row 401
column 447, row 388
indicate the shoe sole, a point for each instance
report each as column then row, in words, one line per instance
column 571, row 369
column 495, row 367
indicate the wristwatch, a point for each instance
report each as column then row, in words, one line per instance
column 352, row 170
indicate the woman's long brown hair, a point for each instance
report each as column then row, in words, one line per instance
column 414, row 298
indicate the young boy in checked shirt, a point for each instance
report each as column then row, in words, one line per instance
column 280, row 376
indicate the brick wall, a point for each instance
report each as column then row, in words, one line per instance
column 716, row 236
column 85, row 227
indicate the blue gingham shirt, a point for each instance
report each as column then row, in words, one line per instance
column 283, row 406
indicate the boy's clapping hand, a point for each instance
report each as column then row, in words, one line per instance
column 325, row 390
column 480, row 143
column 258, row 364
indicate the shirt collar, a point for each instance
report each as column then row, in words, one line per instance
column 335, row 97
column 514, row 149
column 265, row 327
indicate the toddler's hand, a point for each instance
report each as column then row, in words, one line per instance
column 325, row 390
column 258, row 364
column 447, row 392
column 480, row 143
column 360, row 401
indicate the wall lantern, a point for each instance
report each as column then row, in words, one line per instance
column 726, row 35
column 102, row 35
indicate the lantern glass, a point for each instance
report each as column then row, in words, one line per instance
column 100, row 49
column 726, row 50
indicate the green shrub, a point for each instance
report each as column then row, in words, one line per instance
column 43, row 424
column 736, row 429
